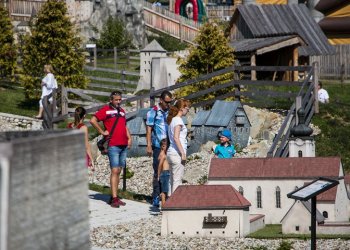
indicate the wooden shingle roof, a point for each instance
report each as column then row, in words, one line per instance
column 274, row 168
column 221, row 113
column 190, row 197
column 248, row 45
column 271, row 20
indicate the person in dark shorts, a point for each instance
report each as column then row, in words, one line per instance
column 163, row 171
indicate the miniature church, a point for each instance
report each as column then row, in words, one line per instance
column 264, row 183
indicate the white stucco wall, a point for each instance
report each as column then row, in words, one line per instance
column 164, row 72
column 146, row 68
column 298, row 216
column 307, row 148
column 341, row 203
column 190, row 223
column 272, row 214
column 329, row 207
column 334, row 229
column 257, row 224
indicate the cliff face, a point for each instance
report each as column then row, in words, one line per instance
column 93, row 14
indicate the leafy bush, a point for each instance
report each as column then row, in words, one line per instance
column 8, row 55
column 114, row 34
column 285, row 245
column 54, row 41
column 203, row 180
column 211, row 53
column 168, row 42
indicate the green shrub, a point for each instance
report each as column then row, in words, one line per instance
column 168, row 42
column 211, row 53
column 285, row 245
column 114, row 34
column 8, row 55
column 203, row 180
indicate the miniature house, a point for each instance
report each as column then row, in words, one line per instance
column 223, row 115
column 137, row 128
column 265, row 183
column 157, row 70
column 216, row 211
column 152, row 50
column 297, row 219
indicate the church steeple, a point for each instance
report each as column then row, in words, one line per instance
column 301, row 143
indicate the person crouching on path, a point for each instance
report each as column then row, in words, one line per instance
column 119, row 142
column 163, row 171
column 177, row 131
column 157, row 129
column 78, row 123
column 225, row 149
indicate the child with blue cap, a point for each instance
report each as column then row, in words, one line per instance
column 225, row 149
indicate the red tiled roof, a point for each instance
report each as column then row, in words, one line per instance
column 347, row 179
column 265, row 168
column 205, row 197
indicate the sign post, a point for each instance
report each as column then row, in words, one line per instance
column 310, row 191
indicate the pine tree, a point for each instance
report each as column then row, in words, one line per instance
column 114, row 34
column 53, row 40
column 8, row 55
column 211, row 53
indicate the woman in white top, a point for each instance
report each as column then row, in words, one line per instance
column 48, row 84
column 177, row 133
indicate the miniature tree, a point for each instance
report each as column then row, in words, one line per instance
column 8, row 55
column 211, row 53
column 114, row 34
column 53, row 40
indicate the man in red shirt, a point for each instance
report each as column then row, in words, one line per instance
column 119, row 142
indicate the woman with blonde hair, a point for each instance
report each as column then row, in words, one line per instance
column 48, row 84
column 177, row 133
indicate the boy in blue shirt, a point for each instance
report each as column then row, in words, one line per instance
column 225, row 149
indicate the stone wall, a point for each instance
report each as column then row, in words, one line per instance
column 16, row 122
column 47, row 194
column 89, row 14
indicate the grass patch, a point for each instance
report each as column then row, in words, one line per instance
column 274, row 231
column 13, row 101
column 334, row 122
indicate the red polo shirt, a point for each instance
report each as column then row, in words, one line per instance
column 108, row 115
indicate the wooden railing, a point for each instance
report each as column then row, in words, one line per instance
column 305, row 95
column 22, row 10
column 177, row 26
column 305, row 100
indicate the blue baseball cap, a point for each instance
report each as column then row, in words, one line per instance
column 226, row 133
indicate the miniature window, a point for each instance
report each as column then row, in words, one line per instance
column 258, row 196
column 240, row 190
column 300, row 153
column 278, row 197
column 325, row 214
column 297, row 228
